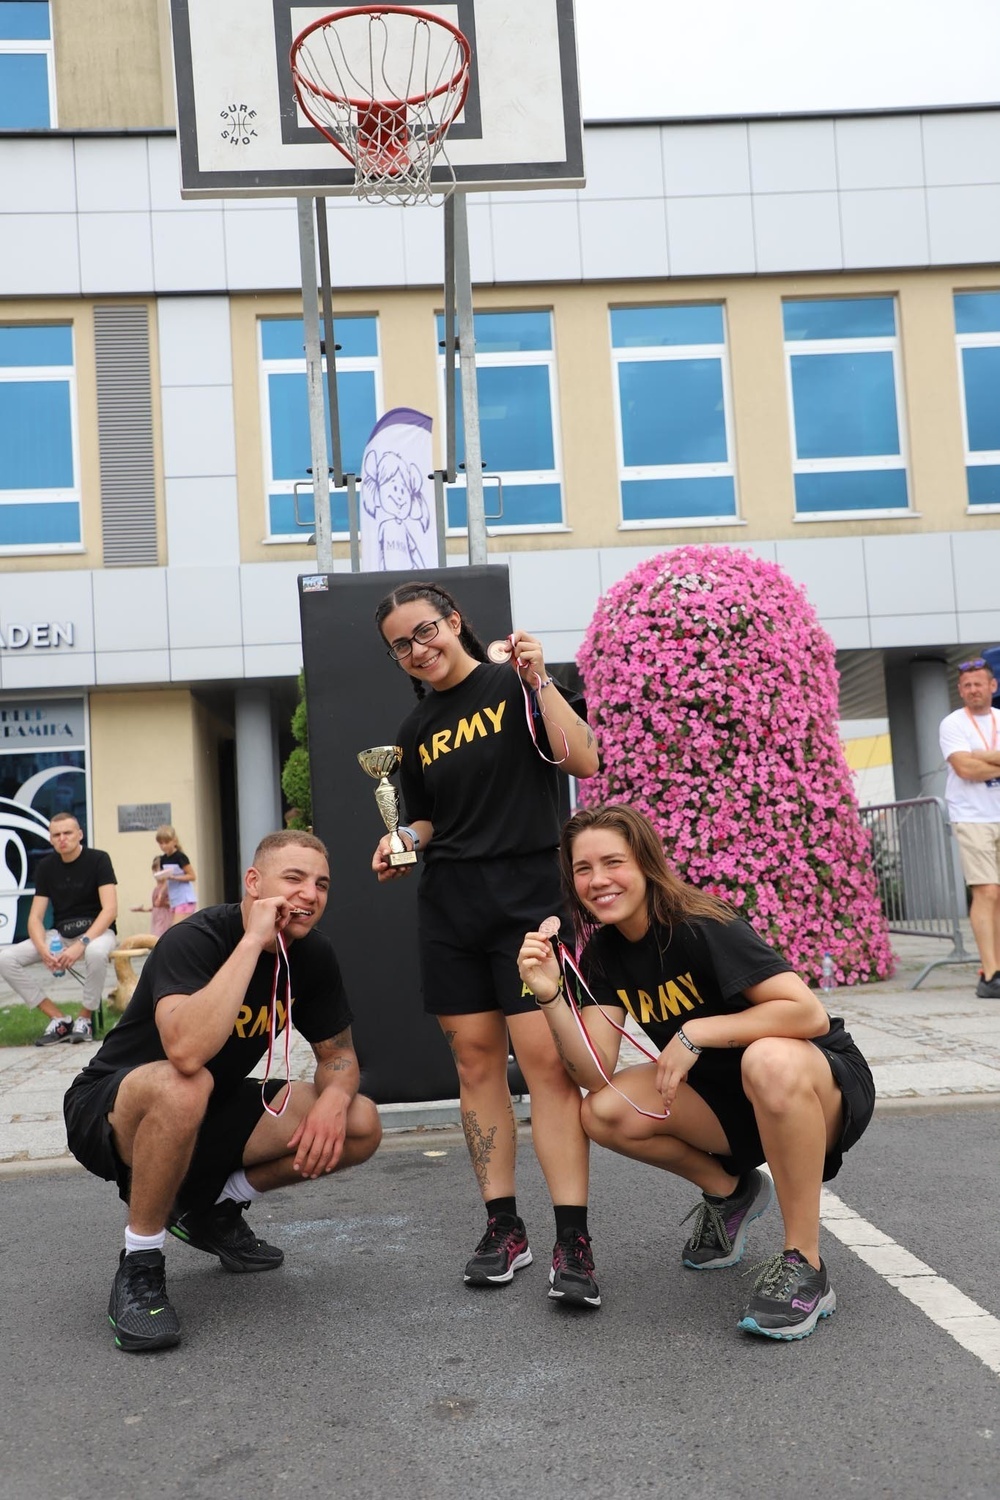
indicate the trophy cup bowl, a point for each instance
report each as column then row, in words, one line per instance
column 380, row 762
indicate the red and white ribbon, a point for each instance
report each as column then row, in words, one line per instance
column 528, row 695
column 566, row 960
column 280, row 953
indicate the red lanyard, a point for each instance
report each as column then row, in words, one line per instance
column 566, row 961
column 533, row 693
column 993, row 729
column 280, row 953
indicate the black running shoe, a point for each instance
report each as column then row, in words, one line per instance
column 59, row 1029
column 988, row 989
column 223, row 1231
column 502, row 1250
column 789, row 1297
column 571, row 1279
column 138, row 1310
column 720, row 1224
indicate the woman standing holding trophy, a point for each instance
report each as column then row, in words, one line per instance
column 481, row 755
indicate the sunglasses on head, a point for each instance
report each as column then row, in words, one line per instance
column 974, row 664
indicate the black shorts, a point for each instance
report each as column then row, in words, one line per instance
column 725, row 1098
column 228, row 1125
column 473, row 915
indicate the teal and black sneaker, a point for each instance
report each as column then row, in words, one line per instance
column 720, row 1224
column 138, row 1310
column 789, row 1297
column 222, row 1230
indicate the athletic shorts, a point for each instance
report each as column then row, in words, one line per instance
column 473, row 915
column 979, row 847
column 731, row 1107
column 225, row 1130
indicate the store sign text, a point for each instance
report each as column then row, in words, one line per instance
column 13, row 637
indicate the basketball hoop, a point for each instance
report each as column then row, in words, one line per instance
column 383, row 84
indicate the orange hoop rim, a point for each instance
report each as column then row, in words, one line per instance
column 367, row 102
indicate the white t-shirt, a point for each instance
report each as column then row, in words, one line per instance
column 971, row 801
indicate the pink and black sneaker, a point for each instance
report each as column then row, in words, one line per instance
column 502, row 1250
column 571, row 1280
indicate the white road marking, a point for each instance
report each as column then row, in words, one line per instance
column 969, row 1325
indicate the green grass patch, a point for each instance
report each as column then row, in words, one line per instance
column 20, row 1025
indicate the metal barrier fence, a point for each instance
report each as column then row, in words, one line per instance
column 917, row 874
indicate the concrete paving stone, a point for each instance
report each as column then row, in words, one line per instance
column 920, row 1078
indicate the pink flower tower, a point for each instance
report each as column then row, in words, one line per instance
column 714, row 693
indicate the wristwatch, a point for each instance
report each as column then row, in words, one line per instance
column 85, row 941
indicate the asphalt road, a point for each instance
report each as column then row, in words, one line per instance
column 364, row 1368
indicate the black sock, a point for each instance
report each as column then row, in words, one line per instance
column 496, row 1206
column 571, row 1216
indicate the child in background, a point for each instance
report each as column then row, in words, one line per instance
column 176, row 873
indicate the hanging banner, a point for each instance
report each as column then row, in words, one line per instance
column 398, row 525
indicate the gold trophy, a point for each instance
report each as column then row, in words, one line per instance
column 381, row 762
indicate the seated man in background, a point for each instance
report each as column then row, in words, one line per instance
column 166, row 1108
column 81, row 885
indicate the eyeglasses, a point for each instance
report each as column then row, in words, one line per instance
column 423, row 635
column 974, row 664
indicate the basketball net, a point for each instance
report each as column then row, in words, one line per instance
column 383, row 84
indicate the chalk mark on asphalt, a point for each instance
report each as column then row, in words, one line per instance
column 970, row 1325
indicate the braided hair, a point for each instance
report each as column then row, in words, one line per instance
column 440, row 599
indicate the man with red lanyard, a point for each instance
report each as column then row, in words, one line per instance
column 970, row 743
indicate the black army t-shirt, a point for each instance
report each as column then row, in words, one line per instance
column 187, row 957
column 470, row 766
column 73, row 886
column 700, row 968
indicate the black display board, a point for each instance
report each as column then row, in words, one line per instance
column 358, row 698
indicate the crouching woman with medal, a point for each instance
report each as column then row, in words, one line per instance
column 748, row 1068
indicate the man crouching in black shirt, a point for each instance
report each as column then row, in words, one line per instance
column 166, row 1108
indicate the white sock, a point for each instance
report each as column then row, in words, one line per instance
column 134, row 1242
column 238, row 1189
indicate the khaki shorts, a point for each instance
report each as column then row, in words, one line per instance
column 979, row 846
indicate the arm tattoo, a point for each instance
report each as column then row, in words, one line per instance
column 570, row 1067
column 336, row 1055
column 480, row 1146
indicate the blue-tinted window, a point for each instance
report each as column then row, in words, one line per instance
column 977, row 312
column 26, row 346
column 840, row 318
column 24, row 91
column 24, row 21
column 284, row 338
column 663, row 327
column 672, row 412
column 984, row 484
column 39, row 503
column 981, row 372
column 289, row 453
column 515, row 371
column 674, row 446
column 509, row 332
column 845, row 405
column 846, row 410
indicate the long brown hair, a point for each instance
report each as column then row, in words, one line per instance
column 439, row 598
column 670, row 900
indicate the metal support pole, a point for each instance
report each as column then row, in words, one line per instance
column 449, row 339
column 329, row 342
column 470, row 397
column 441, row 515
column 314, row 387
column 354, row 521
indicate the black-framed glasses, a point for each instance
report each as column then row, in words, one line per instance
column 974, row 665
column 422, row 636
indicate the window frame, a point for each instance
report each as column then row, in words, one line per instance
column 510, row 478
column 35, row 46
column 881, row 463
column 346, row 365
column 657, row 353
column 53, row 374
column 974, row 457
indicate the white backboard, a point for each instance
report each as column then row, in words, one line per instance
column 242, row 134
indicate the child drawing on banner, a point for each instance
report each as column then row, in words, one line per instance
column 393, row 489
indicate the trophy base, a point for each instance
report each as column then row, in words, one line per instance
column 403, row 858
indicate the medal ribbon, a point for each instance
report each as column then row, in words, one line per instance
column 566, row 961
column 280, row 954
column 533, row 693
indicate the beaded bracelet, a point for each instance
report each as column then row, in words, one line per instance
column 687, row 1042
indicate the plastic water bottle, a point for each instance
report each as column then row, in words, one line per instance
column 55, row 948
column 827, row 979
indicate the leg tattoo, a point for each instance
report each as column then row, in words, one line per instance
column 480, row 1146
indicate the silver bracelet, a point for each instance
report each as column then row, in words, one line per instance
column 687, row 1042
column 549, row 682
